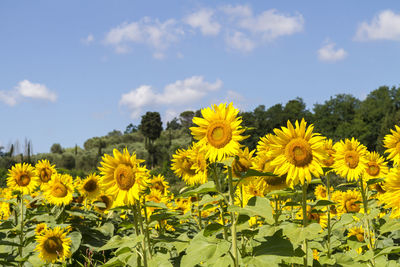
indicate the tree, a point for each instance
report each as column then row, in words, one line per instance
column 151, row 125
column 131, row 129
column 56, row 149
column 173, row 124
column 186, row 118
column 114, row 133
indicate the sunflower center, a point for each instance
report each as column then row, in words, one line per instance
column 90, row 186
column 159, row 186
column 275, row 180
column 125, row 176
column 53, row 245
column 298, row 152
column 330, row 159
column 219, row 134
column 23, row 180
column 45, row 175
column 352, row 158
column 360, row 237
column 351, row 206
column 373, row 169
column 106, row 202
column 379, row 188
column 59, row 190
column 187, row 167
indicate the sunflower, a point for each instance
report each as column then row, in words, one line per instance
column 59, row 190
column 336, row 196
column 262, row 162
column 255, row 186
column 5, row 194
column 219, row 131
column 358, row 232
column 242, row 162
column 22, row 177
column 275, row 183
column 320, row 192
column 330, row 152
column 123, row 178
column 318, row 216
column 44, row 170
column 155, row 196
column 263, row 145
column 350, row 202
column 350, row 160
column 106, row 200
column 90, row 187
column 158, row 182
column 392, row 143
column 183, row 204
column 297, row 152
column 376, row 166
column 40, row 229
column 391, row 198
column 53, row 245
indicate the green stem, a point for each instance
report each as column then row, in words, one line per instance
column 276, row 210
column 21, row 234
column 304, row 207
column 139, row 213
column 218, row 186
column 328, row 184
column 147, row 229
column 233, row 219
column 199, row 211
column 135, row 223
column 365, row 203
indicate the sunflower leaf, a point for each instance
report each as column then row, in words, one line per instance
column 204, row 188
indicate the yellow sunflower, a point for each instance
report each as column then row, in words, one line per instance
column 59, row 190
column 262, row 162
column 350, row 159
column 242, row 162
column 44, row 170
column 391, row 198
column 318, row 216
column 22, row 177
column 53, row 245
column 350, row 202
column 219, row 131
column 321, row 192
column 106, row 200
column 158, row 182
column 358, row 232
column 254, row 186
column 5, row 194
column 40, row 229
column 297, row 152
column 155, row 196
column 392, row 143
column 330, row 152
column 263, row 145
column 376, row 166
column 90, row 187
column 123, row 178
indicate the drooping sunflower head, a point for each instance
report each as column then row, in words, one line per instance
column 44, row 170
column 155, row 196
column 183, row 204
column 242, row 162
column 53, row 245
column 392, row 143
column 376, row 166
column 358, row 232
column 297, row 152
column 330, row 152
column 350, row 202
column 123, row 177
column 219, row 131
column 107, row 203
column 23, row 178
column 58, row 191
column 158, row 183
column 350, row 159
column 90, row 187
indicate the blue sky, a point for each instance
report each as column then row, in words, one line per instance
column 71, row 70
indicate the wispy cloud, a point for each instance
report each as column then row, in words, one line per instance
column 384, row 26
column 328, row 53
column 203, row 19
column 27, row 90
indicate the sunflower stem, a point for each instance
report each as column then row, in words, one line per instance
column 147, row 229
column 199, row 211
column 304, row 207
column 135, row 222
column 21, row 234
column 365, row 203
column 233, row 219
column 277, row 212
column 328, row 185
column 218, row 186
column 139, row 216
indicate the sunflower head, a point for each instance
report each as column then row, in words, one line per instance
column 376, row 166
column 123, row 177
column 40, row 229
column 90, row 187
column 59, row 189
column 53, row 245
column 264, row 143
column 23, row 178
column 158, row 183
column 44, row 170
column 106, row 200
column 297, row 152
column 350, row 159
column 392, row 143
column 358, row 232
column 330, row 152
column 350, row 201
column 321, row 192
column 242, row 162
column 219, row 131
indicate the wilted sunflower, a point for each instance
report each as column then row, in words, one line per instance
column 297, row 152
column 219, row 131
column 158, row 183
column 59, row 190
column 22, row 177
column 44, row 170
column 392, row 143
column 123, row 178
column 376, row 166
column 53, row 245
column 90, row 187
column 391, row 198
column 350, row 159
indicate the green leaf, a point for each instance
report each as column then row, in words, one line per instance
column 374, row 181
column 251, row 173
column 262, row 260
column 316, row 181
column 275, row 245
column 212, row 228
column 388, row 250
column 119, row 242
column 204, row 188
column 227, row 162
column 390, row 226
column 155, row 205
column 298, row 234
column 76, row 238
column 256, row 206
column 160, row 260
column 322, row 202
column 208, row 199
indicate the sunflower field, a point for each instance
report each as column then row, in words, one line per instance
column 299, row 199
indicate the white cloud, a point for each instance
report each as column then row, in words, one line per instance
column 237, row 11
column 27, row 90
column 203, row 19
column 240, row 41
column 384, row 26
column 179, row 93
column 152, row 32
column 88, row 40
column 328, row 53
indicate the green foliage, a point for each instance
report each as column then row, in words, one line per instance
column 151, row 125
column 56, row 149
